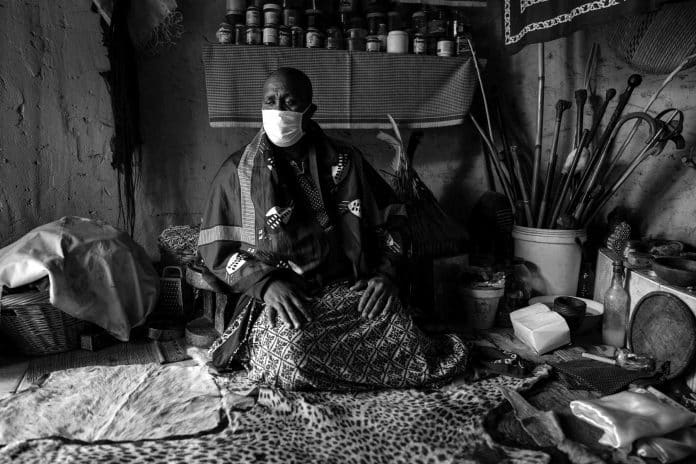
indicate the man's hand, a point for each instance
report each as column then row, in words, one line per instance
column 288, row 302
column 380, row 296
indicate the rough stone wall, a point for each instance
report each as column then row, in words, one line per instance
column 55, row 126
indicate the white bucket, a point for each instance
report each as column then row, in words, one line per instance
column 555, row 255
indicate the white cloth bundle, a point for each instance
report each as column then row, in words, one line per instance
column 97, row 273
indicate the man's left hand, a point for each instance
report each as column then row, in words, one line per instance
column 380, row 296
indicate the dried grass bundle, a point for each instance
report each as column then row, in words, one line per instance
column 433, row 232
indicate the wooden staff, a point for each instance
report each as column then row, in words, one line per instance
column 489, row 173
column 520, row 183
column 652, row 147
column 633, row 81
column 540, row 126
column 503, row 135
column 496, row 163
column 608, row 96
column 584, row 140
column 580, row 100
column 667, row 80
column 561, row 107
column 596, row 172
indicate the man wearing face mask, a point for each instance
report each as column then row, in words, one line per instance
column 309, row 234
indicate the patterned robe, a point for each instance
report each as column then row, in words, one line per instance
column 326, row 218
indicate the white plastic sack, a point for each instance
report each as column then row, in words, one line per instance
column 97, row 273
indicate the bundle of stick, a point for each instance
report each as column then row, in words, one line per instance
column 570, row 197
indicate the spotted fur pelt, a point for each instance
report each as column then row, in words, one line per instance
column 276, row 426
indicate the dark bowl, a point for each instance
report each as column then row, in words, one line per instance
column 573, row 311
column 676, row 271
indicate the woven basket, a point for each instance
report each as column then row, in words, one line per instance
column 178, row 245
column 656, row 42
column 35, row 327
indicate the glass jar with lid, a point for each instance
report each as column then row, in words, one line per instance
column 271, row 14
column 253, row 16
column 314, row 38
column 270, row 35
column 419, row 44
column 419, row 20
column 225, row 34
column 437, row 25
column 240, row 34
column 357, row 39
column 382, row 33
column 297, row 37
column 253, row 35
column 373, row 44
column 284, row 36
column 334, row 38
column 373, row 21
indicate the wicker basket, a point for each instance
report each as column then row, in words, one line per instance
column 35, row 327
column 656, row 42
column 178, row 245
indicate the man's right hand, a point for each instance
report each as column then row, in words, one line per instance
column 288, row 302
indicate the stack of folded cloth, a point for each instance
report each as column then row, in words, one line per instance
column 654, row 426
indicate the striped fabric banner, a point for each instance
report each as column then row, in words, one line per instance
column 351, row 90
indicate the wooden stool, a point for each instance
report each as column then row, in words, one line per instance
column 217, row 309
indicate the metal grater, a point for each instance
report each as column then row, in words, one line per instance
column 170, row 304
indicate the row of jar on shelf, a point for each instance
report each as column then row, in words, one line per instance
column 357, row 39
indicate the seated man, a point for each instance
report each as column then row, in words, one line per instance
column 308, row 233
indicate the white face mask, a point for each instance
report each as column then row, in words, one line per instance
column 283, row 128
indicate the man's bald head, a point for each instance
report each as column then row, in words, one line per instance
column 295, row 81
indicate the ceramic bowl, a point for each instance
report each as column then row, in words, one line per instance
column 676, row 271
column 593, row 313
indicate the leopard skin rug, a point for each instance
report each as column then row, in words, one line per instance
column 267, row 425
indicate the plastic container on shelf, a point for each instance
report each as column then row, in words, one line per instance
column 397, row 42
column 445, row 47
column 553, row 257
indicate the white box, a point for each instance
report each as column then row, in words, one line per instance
column 540, row 328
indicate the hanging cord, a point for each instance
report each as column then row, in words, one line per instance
column 122, row 81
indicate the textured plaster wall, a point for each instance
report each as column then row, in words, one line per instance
column 55, row 116
column 55, row 126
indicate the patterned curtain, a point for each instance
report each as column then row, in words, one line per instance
column 533, row 21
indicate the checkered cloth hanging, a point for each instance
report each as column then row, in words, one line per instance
column 352, row 90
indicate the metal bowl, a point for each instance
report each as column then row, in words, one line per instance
column 676, row 271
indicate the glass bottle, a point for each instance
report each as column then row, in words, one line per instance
column 586, row 281
column 462, row 35
column 615, row 310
